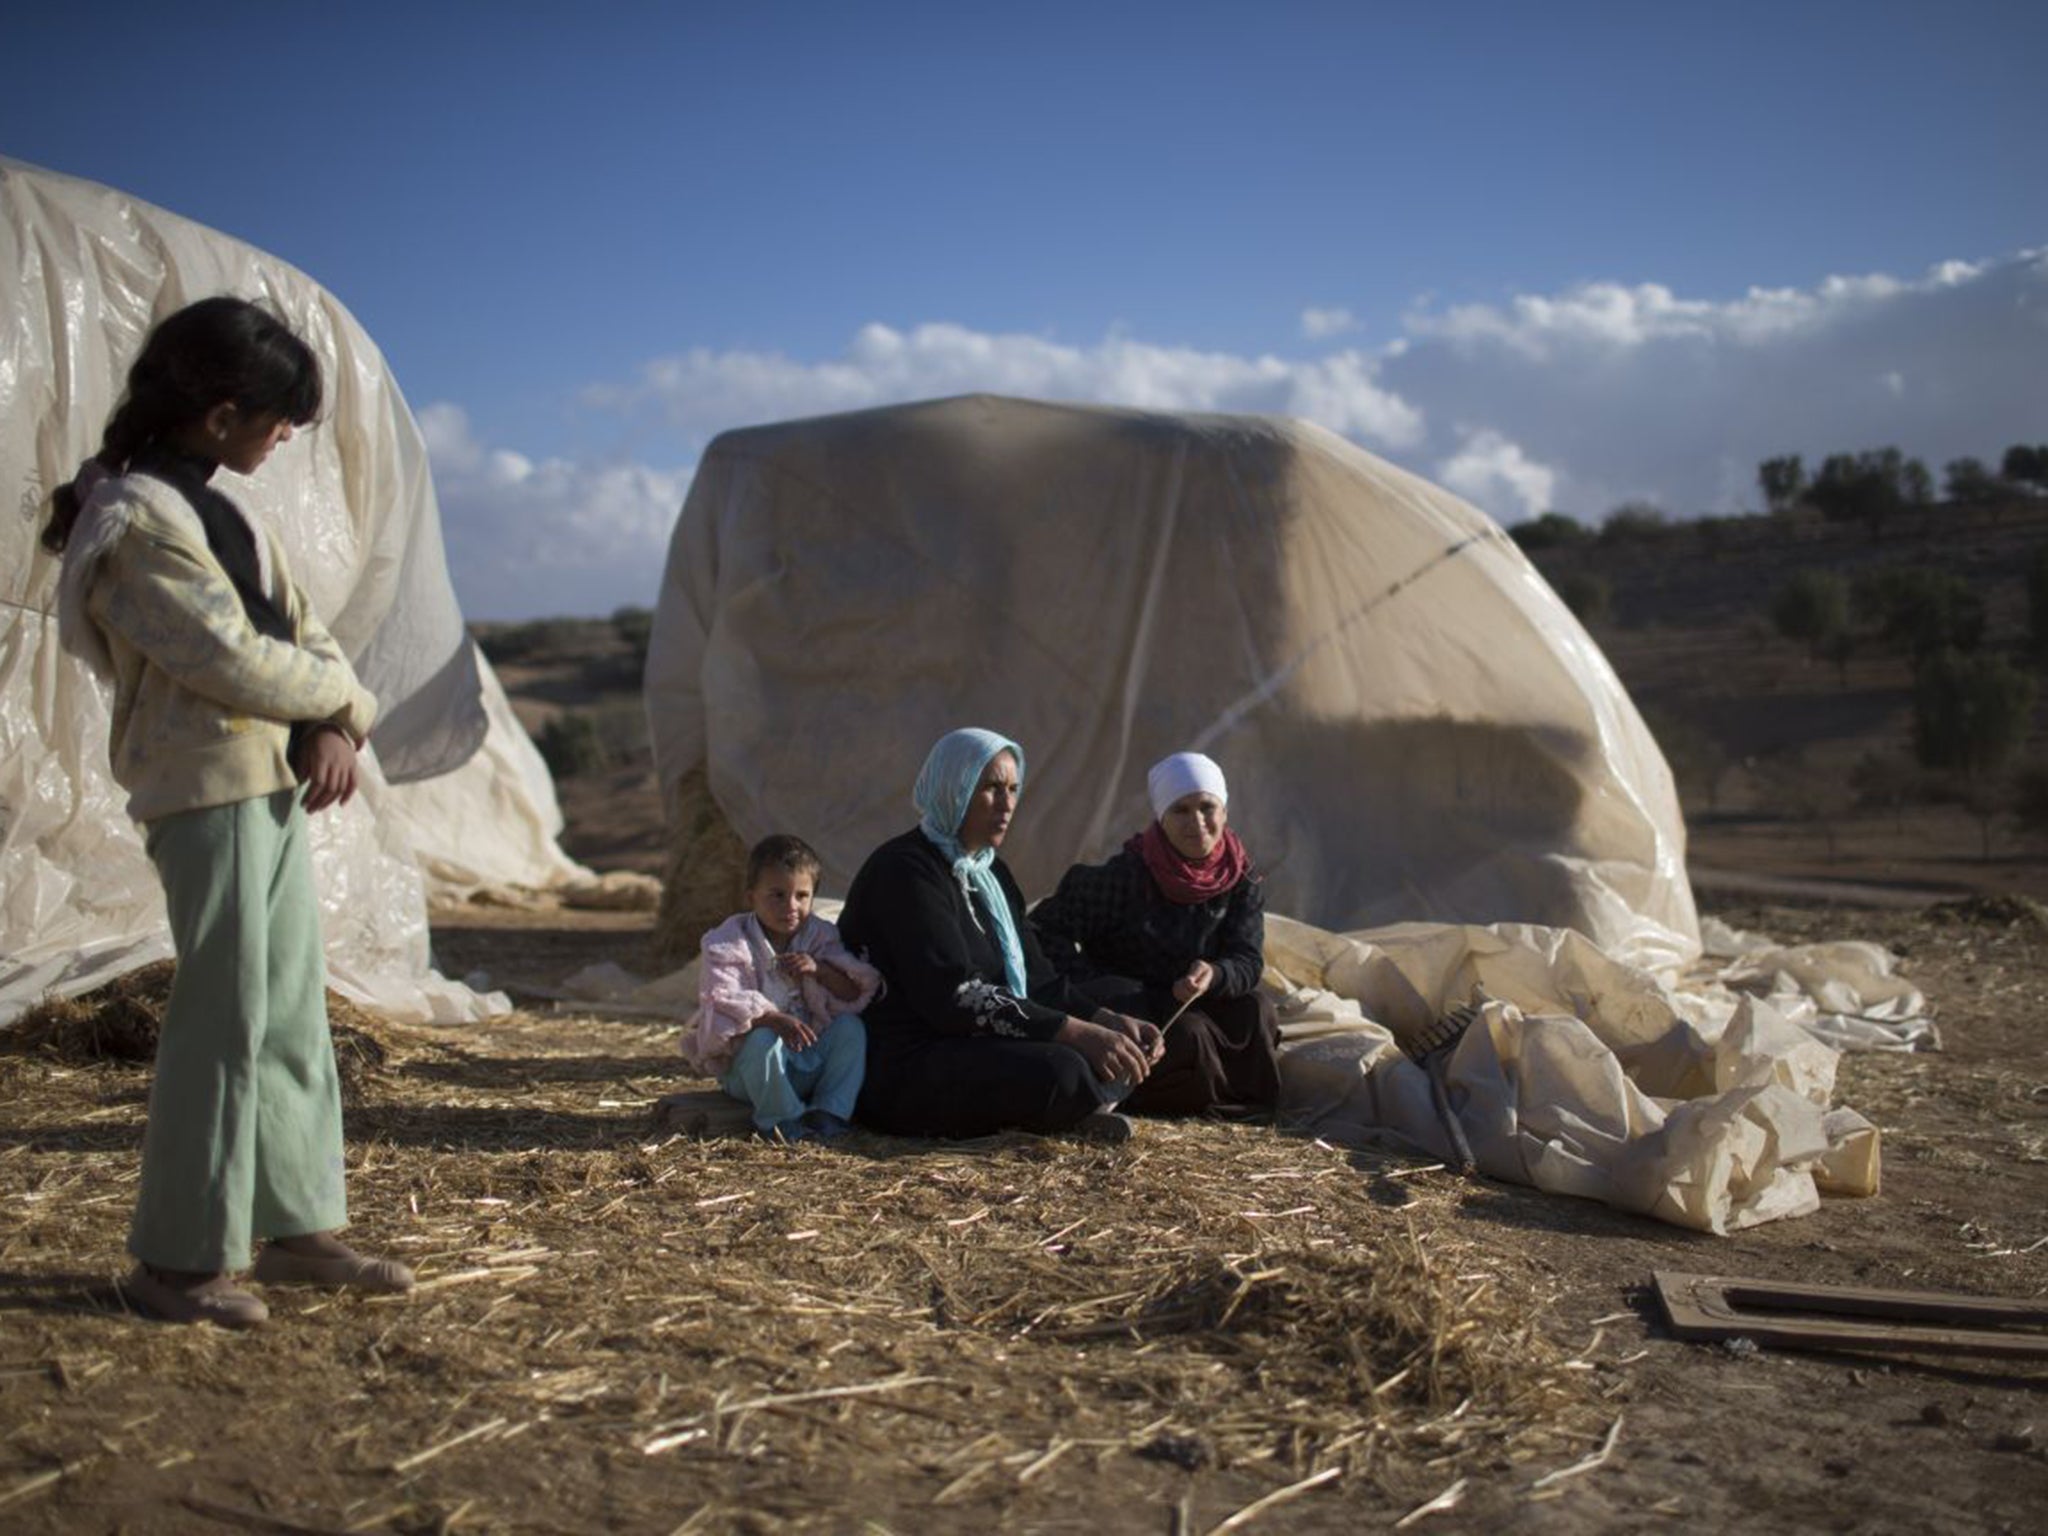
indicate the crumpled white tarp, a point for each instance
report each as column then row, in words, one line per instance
column 1705, row 1107
column 1846, row 992
column 89, row 270
column 1413, row 724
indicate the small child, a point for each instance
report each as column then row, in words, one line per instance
column 777, row 1019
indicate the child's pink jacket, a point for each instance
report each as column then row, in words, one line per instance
column 729, row 991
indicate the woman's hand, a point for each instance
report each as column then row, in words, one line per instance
column 327, row 766
column 794, row 1032
column 1200, row 977
column 1142, row 1033
column 1111, row 1053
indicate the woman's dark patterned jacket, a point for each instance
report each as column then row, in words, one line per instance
column 1112, row 919
column 937, row 952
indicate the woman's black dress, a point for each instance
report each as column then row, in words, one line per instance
column 951, row 1050
column 1122, row 944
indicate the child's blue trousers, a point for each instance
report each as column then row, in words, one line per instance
column 244, row 1137
column 781, row 1083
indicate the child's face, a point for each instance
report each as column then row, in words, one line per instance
column 243, row 441
column 781, row 900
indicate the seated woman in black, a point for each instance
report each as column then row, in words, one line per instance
column 1176, row 920
column 974, row 1032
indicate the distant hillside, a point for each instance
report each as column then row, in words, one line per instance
column 1722, row 570
column 1788, row 764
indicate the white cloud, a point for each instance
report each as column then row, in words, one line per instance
column 1593, row 316
column 701, row 393
column 1579, row 400
column 1637, row 392
column 529, row 538
column 1320, row 324
column 1488, row 469
column 450, row 448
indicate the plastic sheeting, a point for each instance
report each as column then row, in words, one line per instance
column 492, row 823
column 1845, row 992
column 1413, row 724
column 90, row 270
column 1704, row 1107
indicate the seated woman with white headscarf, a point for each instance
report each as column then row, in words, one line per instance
column 974, row 1033
column 1175, row 924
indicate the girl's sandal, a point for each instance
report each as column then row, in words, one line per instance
column 212, row 1299
column 342, row 1272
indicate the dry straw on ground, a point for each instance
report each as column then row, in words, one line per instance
column 936, row 1336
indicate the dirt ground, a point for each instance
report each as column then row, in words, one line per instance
column 622, row 1330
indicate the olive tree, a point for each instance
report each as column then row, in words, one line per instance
column 1970, row 483
column 1918, row 610
column 2026, row 465
column 1970, row 715
column 1812, row 607
column 1783, row 481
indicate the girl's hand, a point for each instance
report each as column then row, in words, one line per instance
column 1200, row 977
column 1109, row 1052
column 794, row 962
column 794, row 1032
column 327, row 767
column 834, row 980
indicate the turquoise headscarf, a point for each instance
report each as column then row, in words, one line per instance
column 945, row 785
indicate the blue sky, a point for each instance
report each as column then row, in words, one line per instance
column 1558, row 255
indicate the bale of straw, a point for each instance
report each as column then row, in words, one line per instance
column 359, row 1050
column 123, row 1020
column 117, row 1022
column 707, row 864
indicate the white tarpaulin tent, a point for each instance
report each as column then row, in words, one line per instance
column 1413, row 724
column 453, row 791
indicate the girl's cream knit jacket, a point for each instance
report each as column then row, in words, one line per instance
column 203, row 703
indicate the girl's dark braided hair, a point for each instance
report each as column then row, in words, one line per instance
column 219, row 349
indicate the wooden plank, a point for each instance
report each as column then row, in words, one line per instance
column 1788, row 1314
column 703, row 1114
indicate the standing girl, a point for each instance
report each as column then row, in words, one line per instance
column 234, row 715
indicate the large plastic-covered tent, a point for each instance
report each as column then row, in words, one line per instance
column 1414, row 726
column 454, row 791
